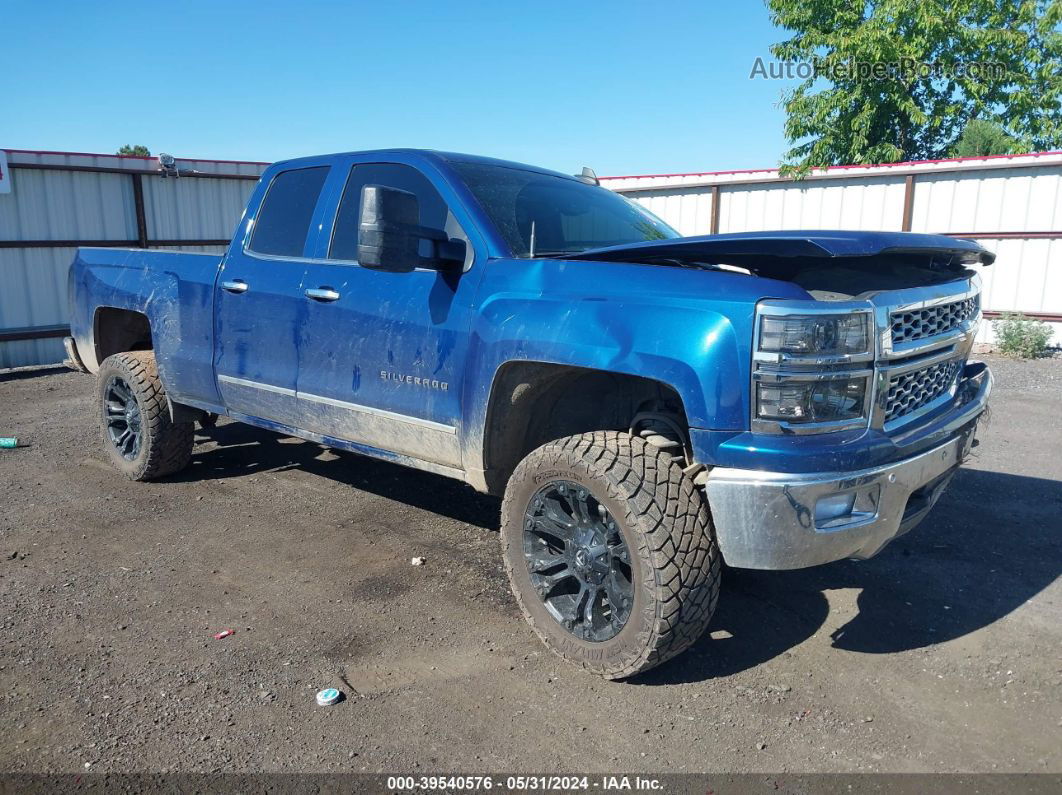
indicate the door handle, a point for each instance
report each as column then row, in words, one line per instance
column 323, row 294
column 235, row 286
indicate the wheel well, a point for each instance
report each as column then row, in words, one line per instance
column 118, row 330
column 533, row 403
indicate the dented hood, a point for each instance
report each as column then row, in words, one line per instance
column 769, row 252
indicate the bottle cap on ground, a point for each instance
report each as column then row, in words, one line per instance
column 328, row 697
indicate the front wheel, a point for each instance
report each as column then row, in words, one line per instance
column 610, row 552
column 141, row 440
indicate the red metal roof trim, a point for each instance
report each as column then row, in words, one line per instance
column 835, row 168
column 134, row 157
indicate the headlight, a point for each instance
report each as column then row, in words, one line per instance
column 812, row 366
column 815, row 335
column 798, row 401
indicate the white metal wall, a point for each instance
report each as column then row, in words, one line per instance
column 995, row 199
column 32, row 293
column 971, row 197
column 1027, row 273
column 91, row 206
column 194, row 209
column 867, row 203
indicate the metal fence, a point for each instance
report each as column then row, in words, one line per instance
column 1012, row 204
column 61, row 200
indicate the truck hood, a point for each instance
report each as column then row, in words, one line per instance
column 774, row 254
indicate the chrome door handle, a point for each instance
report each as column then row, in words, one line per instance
column 236, row 286
column 323, row 294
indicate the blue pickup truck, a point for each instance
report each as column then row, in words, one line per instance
column 648, row 405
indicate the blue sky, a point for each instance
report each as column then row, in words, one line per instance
column 625, row 87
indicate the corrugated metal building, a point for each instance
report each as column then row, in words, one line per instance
column 1012, row 204
column 60, row 200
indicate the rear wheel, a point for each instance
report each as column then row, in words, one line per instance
column 138, row 435
column 610, row 551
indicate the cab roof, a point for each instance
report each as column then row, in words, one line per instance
column 430, row 155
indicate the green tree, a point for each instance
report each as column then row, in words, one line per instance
column 919, row 107
column 981, row 137
column 138, row 150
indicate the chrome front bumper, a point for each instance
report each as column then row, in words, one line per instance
column 771, row 520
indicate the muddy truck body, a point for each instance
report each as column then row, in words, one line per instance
column 647, row 405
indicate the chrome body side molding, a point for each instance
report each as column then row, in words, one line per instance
column 277, row 390
column 418, row 438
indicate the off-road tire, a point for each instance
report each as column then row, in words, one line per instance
column 666, row 525
column 166, row 446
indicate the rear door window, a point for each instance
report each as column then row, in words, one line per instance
column 284, row 218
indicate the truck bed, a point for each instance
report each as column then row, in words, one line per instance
column 173, row 289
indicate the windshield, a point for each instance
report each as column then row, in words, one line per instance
column 542, row 215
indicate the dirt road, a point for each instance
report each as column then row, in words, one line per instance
column 942, row 654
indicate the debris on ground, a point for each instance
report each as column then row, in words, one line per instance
column 280, row 568
column 328, row 697
column 224, row 634
column 419, row 561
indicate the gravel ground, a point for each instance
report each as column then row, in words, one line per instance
column 941, row 654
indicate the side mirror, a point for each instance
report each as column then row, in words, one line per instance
column 389, row 230
column 389, row 234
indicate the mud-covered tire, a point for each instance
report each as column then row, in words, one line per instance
column 665, row 523
column 164, row 446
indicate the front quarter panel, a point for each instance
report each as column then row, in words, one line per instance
column 689, row 329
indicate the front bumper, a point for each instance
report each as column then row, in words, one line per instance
column 773, row 520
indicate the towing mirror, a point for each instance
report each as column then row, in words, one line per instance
column 388, row 229
column 389, row 234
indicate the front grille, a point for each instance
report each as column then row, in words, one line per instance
column 911, row 391
column 918, row 324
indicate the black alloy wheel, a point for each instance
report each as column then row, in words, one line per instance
column 122, row 415
column 578, row 561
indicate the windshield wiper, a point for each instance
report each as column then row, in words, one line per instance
column 547, row 254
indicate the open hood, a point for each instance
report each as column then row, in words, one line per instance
column 777, row 254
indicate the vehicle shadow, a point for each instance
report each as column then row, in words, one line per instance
column 989, row 545
column 21, row 374
column 245, row 450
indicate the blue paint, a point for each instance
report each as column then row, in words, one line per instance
column 688, row 328
column 176, row 292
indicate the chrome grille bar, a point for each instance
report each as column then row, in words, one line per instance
column 923, row 336
column 918, row 324
column 914, row 390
